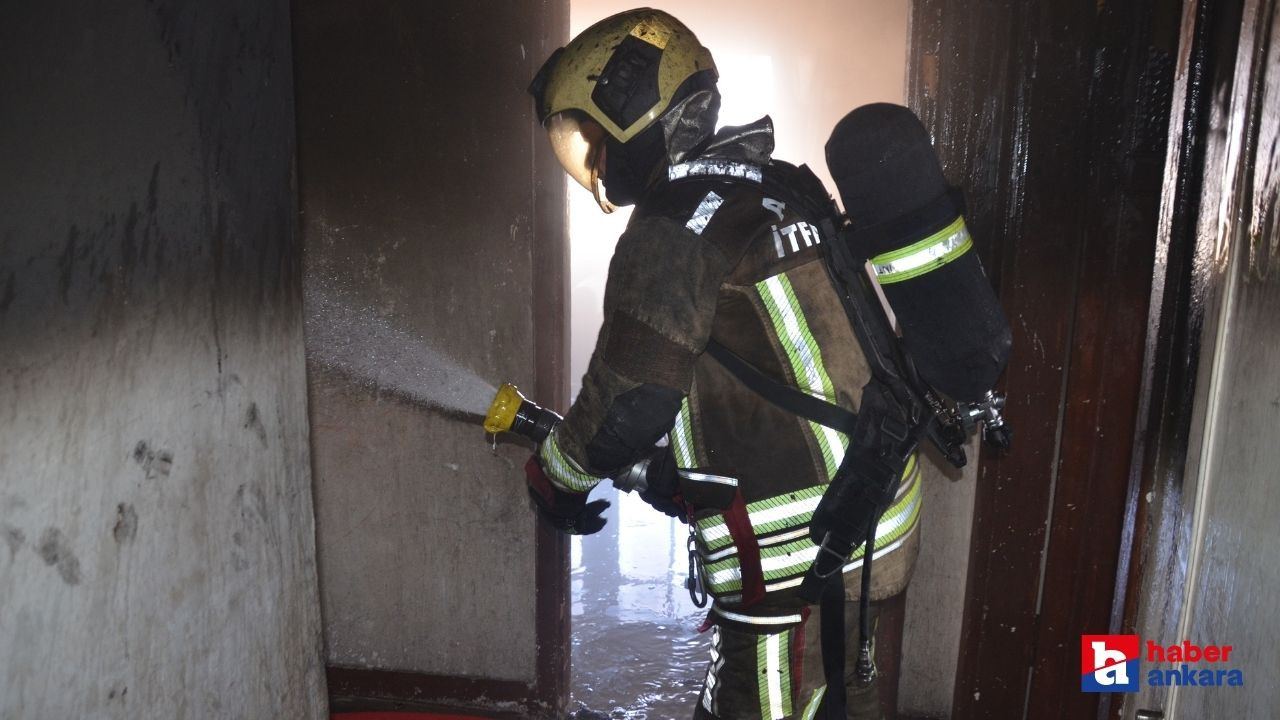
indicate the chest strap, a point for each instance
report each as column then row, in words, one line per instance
column 793, row 400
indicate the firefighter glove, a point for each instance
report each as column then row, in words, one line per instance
column 568, row 512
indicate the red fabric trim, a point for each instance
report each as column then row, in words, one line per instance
column 797, row 656
column 744, row 538
column 706, row 624
column 538, row 481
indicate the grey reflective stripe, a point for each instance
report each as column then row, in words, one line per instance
column 924, row 256
column 713, row 673
column 756, row 619
column 703, row 214
column 711, row 166
column 706, row 477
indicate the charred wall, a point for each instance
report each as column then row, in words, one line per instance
column 155, row 496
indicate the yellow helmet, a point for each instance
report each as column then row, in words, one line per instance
column 622, row 74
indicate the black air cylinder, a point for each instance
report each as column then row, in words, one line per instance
column 910, row 224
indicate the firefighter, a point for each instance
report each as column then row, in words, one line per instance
column 721, row 249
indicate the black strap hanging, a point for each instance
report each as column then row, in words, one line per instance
column 831, row 630
column 789, row 398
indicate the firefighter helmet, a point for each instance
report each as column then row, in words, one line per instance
column 612, row 82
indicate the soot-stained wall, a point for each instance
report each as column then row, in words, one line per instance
column 155, row 500
column 433, row 210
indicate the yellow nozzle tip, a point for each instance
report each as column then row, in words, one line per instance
column 503, row 410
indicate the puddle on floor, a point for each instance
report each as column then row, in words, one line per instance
column 637, row 654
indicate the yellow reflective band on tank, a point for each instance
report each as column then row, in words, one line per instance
column 681, row 437
column 562, row 470
column 773, row 671
column 783, row 564
column 925, row 256
column 805, row 358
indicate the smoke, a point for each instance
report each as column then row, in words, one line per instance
column 349, row 336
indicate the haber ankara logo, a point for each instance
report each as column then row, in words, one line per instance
column 1109, row 663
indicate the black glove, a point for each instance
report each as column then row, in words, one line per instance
column 568, row 512
column 662, row 489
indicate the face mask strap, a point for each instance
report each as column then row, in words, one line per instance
column 605, row 206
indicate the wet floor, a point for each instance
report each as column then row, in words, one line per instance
column 637, row 653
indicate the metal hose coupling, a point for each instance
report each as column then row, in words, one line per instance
column 989, row 411
column 866, row 670
column 511, row 411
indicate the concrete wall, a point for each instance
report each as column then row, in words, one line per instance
column 155, row 498
column 431, row 204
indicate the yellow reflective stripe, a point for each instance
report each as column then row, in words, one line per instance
column 758, row 508
column 776, row 562
column 793, row 509
column 811, row 710
column 924, row 256
column 908, row 474
column 899, row 520
column 562, row 470
column 681, row 437
column 713, row 533
column 725, row 581
column 775, row 513
column 783, row 511
column 805, row 358
column 774, row 673
column 785, row 659
column 792, row 559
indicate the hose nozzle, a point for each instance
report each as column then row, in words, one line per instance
column 511, row 411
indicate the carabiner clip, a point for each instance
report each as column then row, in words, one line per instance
column 695, row 583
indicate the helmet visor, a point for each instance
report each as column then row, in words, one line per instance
column 576, row 141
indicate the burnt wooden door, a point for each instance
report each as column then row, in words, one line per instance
column 1053, row 118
